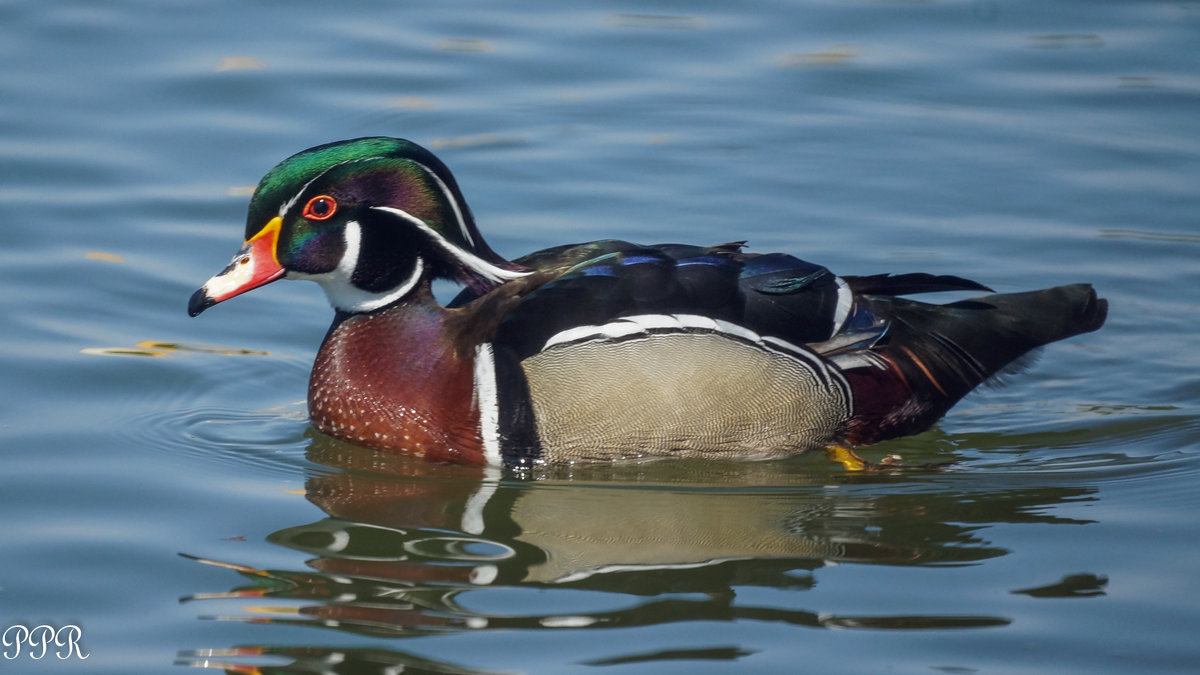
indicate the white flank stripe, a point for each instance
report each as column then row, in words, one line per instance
column 608, row 569
column 696, row 321
column 619, row 329
column 487, row 400
column 574, row 334
column 799, row 352
column 844, row 304
column 652, row 321
column 857, row 360
column 643, row 323
column 479, row 265
column 740, row 331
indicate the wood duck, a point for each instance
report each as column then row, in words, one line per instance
column 605, row 350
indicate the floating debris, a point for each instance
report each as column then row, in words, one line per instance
column 1066, row 41
column 239, row 63
column 465, row 45
column 412, row 103
column 152, row 348
column 834, row 56
column 1071, row 586
column 103, row 255
column 658, row 21
column 475, row 140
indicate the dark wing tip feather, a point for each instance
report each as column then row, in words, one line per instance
column 1095, row 312
column 909, row 284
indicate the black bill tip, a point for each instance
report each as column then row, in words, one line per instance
column 199, row 302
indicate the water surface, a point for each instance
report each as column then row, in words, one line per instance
column 161, row 488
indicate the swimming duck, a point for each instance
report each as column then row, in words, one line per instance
column 605, row 350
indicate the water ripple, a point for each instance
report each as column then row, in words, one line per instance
column 271, row 440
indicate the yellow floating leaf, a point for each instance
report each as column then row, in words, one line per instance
column 105, row 256
column 154, row 348
column 122, row 351
column 470, row 45
column 239, row 63
column 261, row 609
column 659, row 21
column 243, row 569
column 473, row 140
column 199, row 348
column 835, row 55
column 412, row 103
column 1066, row 41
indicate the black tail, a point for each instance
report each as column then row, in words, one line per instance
column 945, row 351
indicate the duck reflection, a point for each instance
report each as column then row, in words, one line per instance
column 410, row 548
column 319, row 661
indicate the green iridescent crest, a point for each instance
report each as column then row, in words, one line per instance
column 282, row 182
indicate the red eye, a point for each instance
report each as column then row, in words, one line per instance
column 321, row 207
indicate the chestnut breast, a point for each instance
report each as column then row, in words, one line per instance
column 387, row 380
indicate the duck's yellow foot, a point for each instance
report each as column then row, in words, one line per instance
column 849, row 459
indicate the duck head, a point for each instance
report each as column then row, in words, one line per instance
column 372, row 220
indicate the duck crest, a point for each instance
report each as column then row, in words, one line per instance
column 389, row 380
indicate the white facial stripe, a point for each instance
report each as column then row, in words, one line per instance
column 462, row 222
column 480, row 266
column 340, row 288
column 486, row 397
column 454, row 204
column 287, row 206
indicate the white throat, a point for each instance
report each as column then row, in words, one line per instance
column 342, row 292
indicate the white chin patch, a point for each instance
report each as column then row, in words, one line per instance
column 342, row 292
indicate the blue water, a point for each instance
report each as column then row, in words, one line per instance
column 1023, row 144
